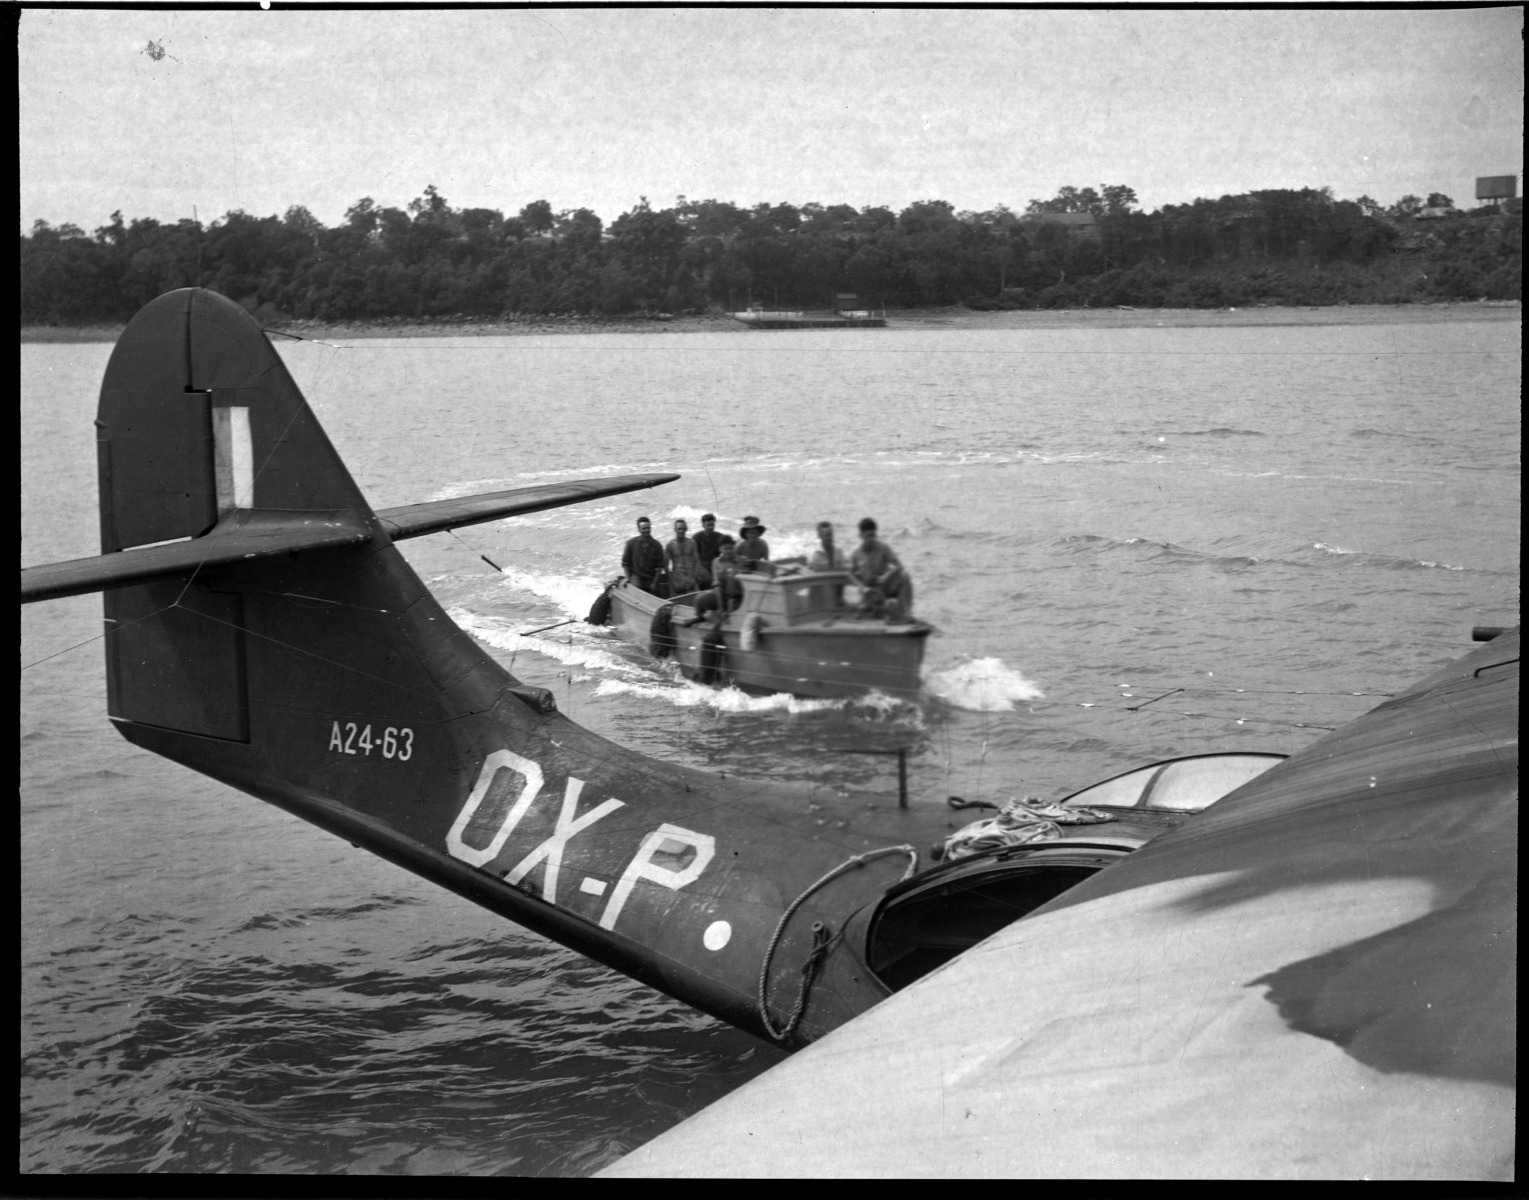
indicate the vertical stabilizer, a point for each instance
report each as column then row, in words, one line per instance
column 316, row 672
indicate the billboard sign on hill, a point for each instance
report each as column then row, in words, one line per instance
column 1496, row 187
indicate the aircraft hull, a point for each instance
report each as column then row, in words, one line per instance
column 1314, row 978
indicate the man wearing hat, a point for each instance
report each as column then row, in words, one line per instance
column 753, row 553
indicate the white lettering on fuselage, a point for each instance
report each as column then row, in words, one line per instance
column 552, row 849
column 392, row 743
column 499, row 760
column 643, row 867
column 465, row 840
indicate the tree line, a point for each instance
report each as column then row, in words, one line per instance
column 1082, row 247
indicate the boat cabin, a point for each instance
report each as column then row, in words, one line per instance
column 804, row 598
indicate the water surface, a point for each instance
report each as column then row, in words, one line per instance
column 1275, row 527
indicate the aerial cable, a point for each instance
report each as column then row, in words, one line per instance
column 715, row 499
column 297, row 337
column 116, row 625
column 470, row 548
column 1154, row 700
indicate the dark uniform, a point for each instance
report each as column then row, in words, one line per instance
column 707, row 543
column 642, row 560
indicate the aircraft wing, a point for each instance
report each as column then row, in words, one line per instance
column 1315, row 978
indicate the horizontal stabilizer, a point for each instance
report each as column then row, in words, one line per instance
column 126, row 567
column 413, row 520
column 259, row 535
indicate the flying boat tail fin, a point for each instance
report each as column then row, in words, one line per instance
column 263, row 629
column 209, row 457
column 238, row 555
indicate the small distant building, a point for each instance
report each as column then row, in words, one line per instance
column 1437, row 213
column 1083, row 227
column 847, row 304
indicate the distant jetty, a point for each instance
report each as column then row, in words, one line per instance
column 846, row 314
column 758, row 318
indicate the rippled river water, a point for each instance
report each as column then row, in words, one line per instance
column 1276, row 525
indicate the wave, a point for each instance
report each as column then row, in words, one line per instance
column 982, row 685
column 1090, row 543
column 1365, row 433
column 1385, row 562
column 1003, row 539
column 297, row 919
column 1087, row 543
column 1218, row 431
column 1331, row 478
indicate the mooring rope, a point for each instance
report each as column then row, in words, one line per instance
column 821, row 938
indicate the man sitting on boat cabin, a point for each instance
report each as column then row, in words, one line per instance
column 727, row 592
column 886, row 589
column 753, row 553
column 643, row 558
column 827, row 557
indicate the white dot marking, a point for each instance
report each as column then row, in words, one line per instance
column 717, row 935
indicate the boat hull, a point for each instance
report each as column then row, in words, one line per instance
column 831, row 659
column 804, row 321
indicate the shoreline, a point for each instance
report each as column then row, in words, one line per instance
column 954, row 317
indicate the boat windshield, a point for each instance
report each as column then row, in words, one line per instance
column 1185, row 784
column 813, row 598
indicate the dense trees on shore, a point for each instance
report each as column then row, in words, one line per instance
column 1083, row 247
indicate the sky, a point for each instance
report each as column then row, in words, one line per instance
column 262, row 110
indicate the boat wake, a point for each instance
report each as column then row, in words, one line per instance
column 982, row 685
column 683, row 693
column 617, row 675
column 573, row 649
column 571, row 594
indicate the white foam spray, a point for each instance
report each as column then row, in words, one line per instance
column 982, row 685
column 572, row 594
column 683, row 693
column 577, row 649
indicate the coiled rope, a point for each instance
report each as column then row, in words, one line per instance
column 822, row 937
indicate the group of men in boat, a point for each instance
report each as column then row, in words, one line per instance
column 711, row 562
